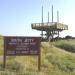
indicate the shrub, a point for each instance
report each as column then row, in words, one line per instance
column 68, row 37
column 15, row 66
column 67, row 47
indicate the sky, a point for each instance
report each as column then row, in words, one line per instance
column 16, row 16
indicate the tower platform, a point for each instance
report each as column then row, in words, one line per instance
column 49, row 26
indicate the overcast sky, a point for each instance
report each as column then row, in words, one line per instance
column 16, row 16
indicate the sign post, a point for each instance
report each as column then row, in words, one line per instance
column 4, row 59
column 22, row 46
column 39, row 62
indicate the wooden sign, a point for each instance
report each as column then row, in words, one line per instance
column 20, row 46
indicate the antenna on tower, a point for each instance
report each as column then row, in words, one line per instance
column 58, row 20
column 52, row 13
column 42, row 15
column 42, row 23
column 57, row 16
column 48, row 16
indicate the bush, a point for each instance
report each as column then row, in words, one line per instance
column 66, row 46
column 15, row 66
column 68, row 37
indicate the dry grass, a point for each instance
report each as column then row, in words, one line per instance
column 54, row 61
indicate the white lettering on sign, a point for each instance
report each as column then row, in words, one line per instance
column 22, row 48
column 15, row 40
column 29, row 40
column 10, row 52
column 21, row 40
column 33, row 51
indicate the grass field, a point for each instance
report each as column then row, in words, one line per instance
column 1, row 45
column 68, row 45
column 54, row 61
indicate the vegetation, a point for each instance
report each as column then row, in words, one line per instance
column 1, row 45
column 54, row 61
column 68, row 45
